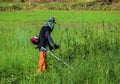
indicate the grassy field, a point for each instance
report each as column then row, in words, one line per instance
column 89, row 42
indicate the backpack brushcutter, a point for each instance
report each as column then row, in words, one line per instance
column 34, row 40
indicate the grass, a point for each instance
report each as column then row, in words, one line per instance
column 77, row 16
column 89, row 42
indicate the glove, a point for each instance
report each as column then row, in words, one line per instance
column 50, row 47
column 56, row 46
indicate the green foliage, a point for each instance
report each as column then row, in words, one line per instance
column 89, row 42
column 8, row 6
column 71, row 5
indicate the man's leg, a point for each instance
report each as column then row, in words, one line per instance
column 42, row 64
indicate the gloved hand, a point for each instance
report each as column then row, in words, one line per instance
column 50, row 47
column 56, row 46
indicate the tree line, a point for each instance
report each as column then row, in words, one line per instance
column 108, row 1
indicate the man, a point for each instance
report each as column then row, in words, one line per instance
column 45, row 40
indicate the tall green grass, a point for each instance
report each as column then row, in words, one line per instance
column 89, row 42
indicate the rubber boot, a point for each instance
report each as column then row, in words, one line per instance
column 42, row 64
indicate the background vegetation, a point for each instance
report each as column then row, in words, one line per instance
column 61, row 5
column 89, row 42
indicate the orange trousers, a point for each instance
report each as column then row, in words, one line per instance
column 42, row 63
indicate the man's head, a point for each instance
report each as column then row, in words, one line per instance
column 51, row 19
column 50, row 22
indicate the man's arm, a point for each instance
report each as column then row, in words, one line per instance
column 51, row 40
